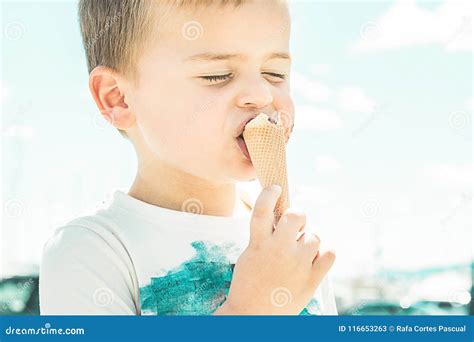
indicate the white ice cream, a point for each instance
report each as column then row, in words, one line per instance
column 260, row 120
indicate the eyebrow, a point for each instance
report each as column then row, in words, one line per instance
column 212, row 57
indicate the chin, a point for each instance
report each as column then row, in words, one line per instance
column 243, row 172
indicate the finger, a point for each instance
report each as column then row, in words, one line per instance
column 310, row 243
column 291, row 222
column 261, row 224
column 322, row 265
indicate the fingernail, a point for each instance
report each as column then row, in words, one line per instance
column 276, row 187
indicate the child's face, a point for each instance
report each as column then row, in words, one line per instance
column 192, row 122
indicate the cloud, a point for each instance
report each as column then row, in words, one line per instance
column 319, row 69
column 22, row 131
column 448, row 174
column 354, row 99
column 311, row 90
column 406, row 24
column 311, row 118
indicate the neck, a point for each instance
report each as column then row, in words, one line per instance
column 167, row 187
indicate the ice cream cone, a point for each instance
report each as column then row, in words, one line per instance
column 265, row 142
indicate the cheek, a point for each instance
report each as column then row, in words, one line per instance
column 284, row 104
column 188, row 126
column 162, row 124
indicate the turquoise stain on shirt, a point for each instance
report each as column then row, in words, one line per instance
column 197, row 286
column 313, row 308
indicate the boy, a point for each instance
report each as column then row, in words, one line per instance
column 179, row 79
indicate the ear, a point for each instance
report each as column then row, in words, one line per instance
column 110, row 98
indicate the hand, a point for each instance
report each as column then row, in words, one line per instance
column 278, row 273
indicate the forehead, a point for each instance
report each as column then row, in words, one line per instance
column 252, row 28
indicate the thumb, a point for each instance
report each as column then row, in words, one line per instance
column 261, row 224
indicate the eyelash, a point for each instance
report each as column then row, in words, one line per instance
column 215, row 78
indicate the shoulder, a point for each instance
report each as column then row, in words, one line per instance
column 80, row 260
column 87, row 232
column 88, row 240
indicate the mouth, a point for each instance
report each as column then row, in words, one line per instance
column 242, row 125
column 243, row 147
column 240, row 137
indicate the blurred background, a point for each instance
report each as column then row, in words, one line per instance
column 380, row 159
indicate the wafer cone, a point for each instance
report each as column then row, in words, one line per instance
column 266, row 145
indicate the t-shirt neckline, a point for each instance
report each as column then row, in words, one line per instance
column 155, row 213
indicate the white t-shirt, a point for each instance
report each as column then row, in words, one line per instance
column 134, row 258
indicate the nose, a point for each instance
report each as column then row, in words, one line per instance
column 255, row 93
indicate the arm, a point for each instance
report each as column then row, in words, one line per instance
column 223, row 310
column 81, row 274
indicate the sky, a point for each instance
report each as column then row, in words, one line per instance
column 380, row 159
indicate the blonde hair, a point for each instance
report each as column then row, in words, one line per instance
column 114, row 32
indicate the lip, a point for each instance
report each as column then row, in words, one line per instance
column 240, row 136
column 243, row 147
column 241, row 128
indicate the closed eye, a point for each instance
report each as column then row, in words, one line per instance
column 274, row 74
column 215, row 78
column 225, row 77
